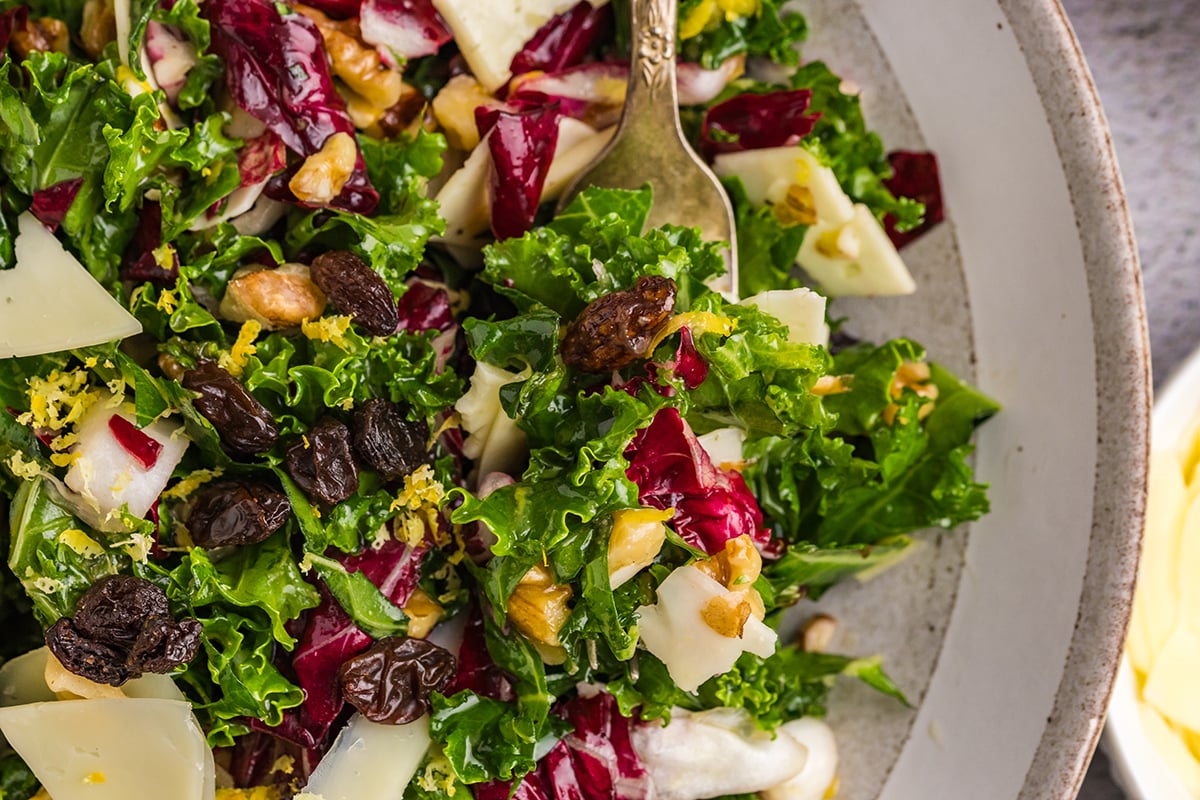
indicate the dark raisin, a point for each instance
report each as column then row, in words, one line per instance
column 122, row 627
column 391, row 681
column 115, row 608
column 387, row 442
column 321, row 463
column 354, row 288
column 245, row 425
column 615, row 330
column 164, row 644
column 236, row 512
column 93, row 660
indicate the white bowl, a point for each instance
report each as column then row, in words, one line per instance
column 1007, row 635
column 1136, row 763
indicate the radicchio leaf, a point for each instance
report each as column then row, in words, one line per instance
column 566, row 40
column 522, row 145
column 476, row 669
column 276, row 70
column 50, row 205
column 339, row 9
column 136, row 443
column 691, row 368
column 672, row 470
column 755, row 121
column 403, row 29
column 141, row 260
column 596, row 761
column 914, row 175
column 425, row 308
column 11, row 21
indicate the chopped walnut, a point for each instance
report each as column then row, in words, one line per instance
column 737, row 567
column 43, row 35
column 356, row 63
column 913, row 376
column 323, row 174
column 454, row 108
column 276, row 298
column 538, row 607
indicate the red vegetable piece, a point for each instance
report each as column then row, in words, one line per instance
column 425, row 308
column 140, row 262
column 276, row 70
column 50, row 205
column 403, row 28
column 755, row 121
column 672, row 470
column 566, row 40
column 395, row 568
column 145, row 449
column 339, row 9
column 476, row 669
column 914, row 175
column 11, row 21
column 689, row 365
column 522, row 145
column 596, row 761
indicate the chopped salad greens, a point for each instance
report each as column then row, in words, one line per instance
column 406, row 477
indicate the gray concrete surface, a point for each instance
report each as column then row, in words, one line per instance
column 1145, row 57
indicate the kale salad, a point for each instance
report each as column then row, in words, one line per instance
column 335, row 465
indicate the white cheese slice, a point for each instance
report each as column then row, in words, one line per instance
column 769, row 173
column 116, row 749
column 801, row 310
column 1170, row 685
column 724, row 446
column 50, row 302
column 713, row 753
column 370, row 761
column 493, row 440
column 820, row 768
column 463, row 200
column 23, row 679
column 854, row 258
column 489, row 34
column 674, row 631
column 106, row 476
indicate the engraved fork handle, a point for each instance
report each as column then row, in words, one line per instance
column 651, row 92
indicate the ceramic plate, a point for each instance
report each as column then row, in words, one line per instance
column 1006, row 636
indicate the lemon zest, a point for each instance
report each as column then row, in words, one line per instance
column 167, row 301
column 58, row 400
column 700, row 322
column 330, row 329
column 418, row 505
column 191, row 483
column 65, row 459
column 21, row 468
column 80, row 542
column 239, row 355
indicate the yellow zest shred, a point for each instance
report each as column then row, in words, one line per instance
column 438, row 777
column 95, row 777
column 699, row 321
column 330, row 329
column 418, row 504
column 80, row 542
column 58, row 400
column 22, row 468
column 235, row 362
column 190, row 484
column 253, row 793
column 137, row 546
column 167, row 302
column 42, row 583
column 64, row 459
column 285, row 764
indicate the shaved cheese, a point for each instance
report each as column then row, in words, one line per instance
column 370, row 761
column 674, row 630
column 114, row 749
column 801, row 310
column 489, row 34
column 23, row 679
column 817, row 777
column 493, row 439
column 717, row 752
column 50, row 302
column 854, row 258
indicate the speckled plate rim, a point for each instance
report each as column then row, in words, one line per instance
column 1084, row 143
column 1018, row 702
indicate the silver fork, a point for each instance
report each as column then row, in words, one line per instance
column 649, row 146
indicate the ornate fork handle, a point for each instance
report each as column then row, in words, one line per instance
column 652, row 83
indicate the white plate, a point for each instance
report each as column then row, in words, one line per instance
column 1007, row 635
